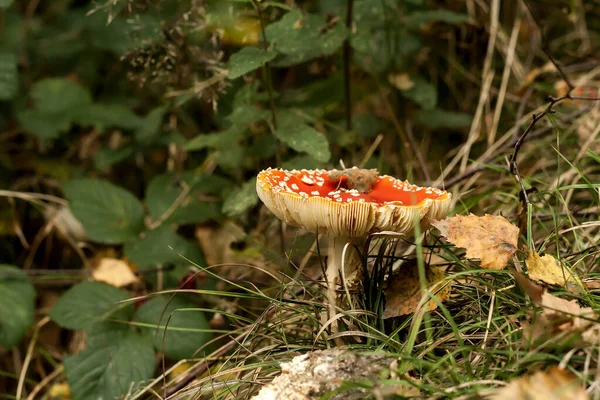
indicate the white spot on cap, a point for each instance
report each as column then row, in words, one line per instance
column 307, row 180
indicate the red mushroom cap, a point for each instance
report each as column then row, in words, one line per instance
column 311, row 199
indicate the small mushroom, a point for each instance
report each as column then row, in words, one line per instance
column 348, row 206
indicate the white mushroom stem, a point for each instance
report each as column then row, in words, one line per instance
column 338, row 261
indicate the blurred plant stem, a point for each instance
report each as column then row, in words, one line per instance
column 267, row 78
column 347, row 55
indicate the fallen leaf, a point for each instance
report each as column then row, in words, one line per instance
column 558, row 316
column 115, row 272
column 553, row 384
column 592, row 284
column 586, row 127
column 586, row 88
column 403, row 292
column 59, row 391
column 547, row 269
column 491, row 238
column 533, row 75
column 563, row 317
column 532, row 289
column 554, row 305
column 216, row 242
column 400, row 81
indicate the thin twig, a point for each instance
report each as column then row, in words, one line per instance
column 409, row 152
column 174, row 206
column 44, row 382
column 510, row 56
column 33, row 197
column 552, row 101
column 269, row 84
column 29, row 354
column 478, row 166
column 418, row 153
column 371, row 150
column 347, row 55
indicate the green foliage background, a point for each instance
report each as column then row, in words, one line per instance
column 153, row 117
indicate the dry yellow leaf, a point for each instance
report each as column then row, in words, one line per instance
column 403, row 293
column 491, row 238
column 553, row 384
column 565, row 318
column 178, row 372
column 400, row 81
column 560, row 319
column 115, row 272
column 547, row 269
column 59, row 391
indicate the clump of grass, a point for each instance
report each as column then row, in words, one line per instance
column 473, row 341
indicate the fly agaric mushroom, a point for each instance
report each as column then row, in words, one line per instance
column 347, row 206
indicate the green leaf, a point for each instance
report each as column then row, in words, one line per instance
column 163, row 190
column 162, row 246
column 264, row 147
column 112, row 370
column 58, row 103
column 89, row 303
column 422, row 92
column 248, row 59
column 322, row 95
column 109, row 214
column 294, row 132
column 9, row 79
column 302, row 162
column 44, row 126
column 239, row 120
column 246, row 114
column 6, row 3
column 241, row 199
column 60, row 95
column 367, row 125
column 217, row 140
column 230, row 158
column 17, row 304
column 151, row 124
column 103, row 116
column 107, row 157
column 438, row 118
column 185, row 331
column 304, row 37
column 424, row 17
